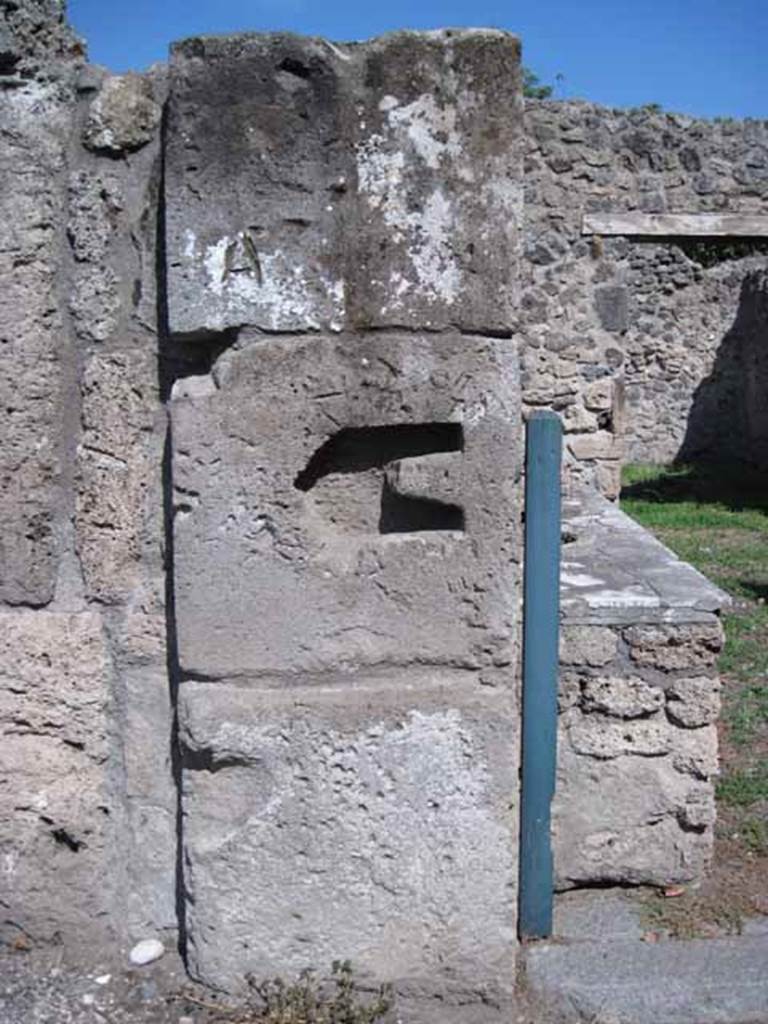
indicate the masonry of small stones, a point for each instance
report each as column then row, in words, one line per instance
column 644, row 347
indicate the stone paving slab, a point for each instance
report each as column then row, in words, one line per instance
column 599, row 970
column 613, row 570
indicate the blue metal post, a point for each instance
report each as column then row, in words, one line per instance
column 541, row 614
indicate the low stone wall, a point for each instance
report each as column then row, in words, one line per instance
column 639, row 696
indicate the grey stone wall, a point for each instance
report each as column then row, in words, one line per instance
column 88, row 823
column 346, row 486
column 621, row 333
column 261, row 486
column 637, row 753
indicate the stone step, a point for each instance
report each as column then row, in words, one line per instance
column 598, row 969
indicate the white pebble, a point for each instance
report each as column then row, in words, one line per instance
column 88, row 999
column 103, row 979
column 146, row 951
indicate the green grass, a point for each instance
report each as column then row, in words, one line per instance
column 717, row 519
column 743, row 788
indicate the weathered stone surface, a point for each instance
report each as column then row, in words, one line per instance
column 123, row 117
column 592, row 646
column 35, row 34
column 678, row 320
column 600, row 445
column 569, row 690
column 96, row 202
column 437, row 138
column 58, row 807
column 112, row 232
column 285, row 518
column 253, row 186
column 151, row 800
column 694, row 702
column 612, row 305
column 605, row 738
column 119, row 501
column 326, row 822
column 695, row 752
column 599, row 395
column 673, row 648
column 622, row 696
column 346, row 186
column 36, row 385
column 631, row 820
column 635, row 792
column 614, row 571
column 620, row 978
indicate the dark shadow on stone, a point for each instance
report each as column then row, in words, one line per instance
column 169, row 368
column 402, row 513
column 728, row 423
column 356, row 449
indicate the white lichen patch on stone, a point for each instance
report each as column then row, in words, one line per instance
column 431, row 129
column 580, row 579
column 418, row 134
column 264, row 287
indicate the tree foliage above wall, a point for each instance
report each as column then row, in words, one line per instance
column 533, row 88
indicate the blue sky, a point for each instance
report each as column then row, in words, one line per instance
column 703, row 57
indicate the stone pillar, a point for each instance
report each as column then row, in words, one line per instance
column 342, row 228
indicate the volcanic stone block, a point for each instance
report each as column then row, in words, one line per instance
column 34, row 385
column 256, row 168
column 123, row 117
column 372, row 819
column 58, row 811
column 634, row 820
column 296, row 551
column 119, row 498
column 311, row 186
column 438, row 141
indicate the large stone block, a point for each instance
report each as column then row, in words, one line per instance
column 59, row 812
column 675, row 647
column 311, row 186
column 123, row 117
column 295, row 549
column 438, row 143
column 629, row 821
column 591, row 646
column 36, row 384
column 119, row 498
column 373, row 819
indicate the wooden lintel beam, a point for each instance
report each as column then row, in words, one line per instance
column 707, row 225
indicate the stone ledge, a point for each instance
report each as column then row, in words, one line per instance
column 615, row 572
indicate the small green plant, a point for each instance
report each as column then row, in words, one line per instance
column 754, row 834
column 312, row 1001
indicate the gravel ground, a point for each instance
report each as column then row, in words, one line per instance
column 40, row 987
